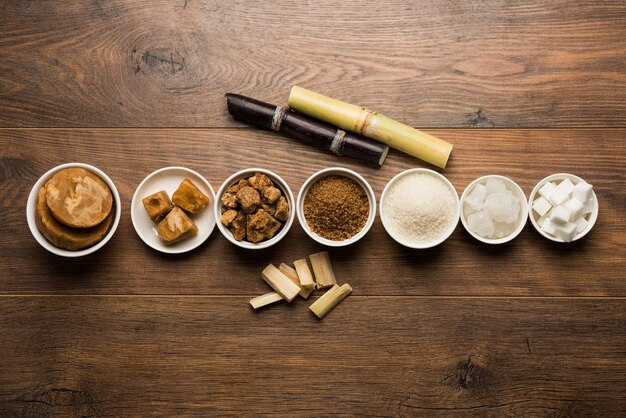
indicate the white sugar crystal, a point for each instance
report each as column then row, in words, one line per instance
column 502, row 206
column 565, row 232
column 481, row 224
column 560, row 215
column 476, row 199
column 547, row 189
column 575, row 207
column 581, row 225
column 541, row 206
column 566, row 186
column 582, row 191
column 495, row 185
column 558, row 197
column 467, row 210
column 503, row 229
column 588, row 207
column 548, row 227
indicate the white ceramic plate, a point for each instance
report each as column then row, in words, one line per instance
column 168, row 179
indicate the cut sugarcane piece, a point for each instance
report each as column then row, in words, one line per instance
column 304, row 274
column 264, row 300
column 330, row 299
column 324, row 274
column 371, row 125
column 280, row 283
column 293, row 276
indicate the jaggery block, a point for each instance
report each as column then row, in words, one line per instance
column 271, row 209
column 282, row 209
column 176, row 226
column 253, row 235
column 270, row 194
column 228, row 217
column 229, row 201
column 238, row 226
column 259, row 220
column 249, row 199
column 260, row 181
column 157, row 205
column 188, row 197
column 236, row 187
column 271, row 228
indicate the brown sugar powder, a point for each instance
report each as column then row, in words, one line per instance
column 336, row 208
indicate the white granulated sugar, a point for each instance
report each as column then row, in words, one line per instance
column 420, row 208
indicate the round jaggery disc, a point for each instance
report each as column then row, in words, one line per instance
column 78, row 198
column 63, row 236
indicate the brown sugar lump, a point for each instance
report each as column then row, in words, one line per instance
column 63, row 236
column 229, row 201
column 270, row 194
column 78, row 198
column 260, row 181
column 157, row 205
column 228, row 217
column 176, row 226
column 271, row 228
column 190, row 198
column 282, row 209
column 249, row 199
column 238, row 226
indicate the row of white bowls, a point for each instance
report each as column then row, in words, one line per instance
column 168, row 178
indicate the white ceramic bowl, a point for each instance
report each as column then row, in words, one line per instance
column 386, row 222
column 591, row 218
column 337, row 171
column 168, row 179
column 521, row 221
column 32, row 204
column 244, row 174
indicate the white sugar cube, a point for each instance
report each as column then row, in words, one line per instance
column 588, row 207
column 566, row 186
column 558, row 197
column 566, row 232
column 541, row 220
column 560, row 215
column 548, row 227
column 575, row 207
column 582, row 191
column 547, row 189
column 581, row 224
column 541, row 206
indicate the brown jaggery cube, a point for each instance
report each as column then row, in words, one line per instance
column 188, row 197
column 157, row 205
column 270, row 194
column 176, row 226
column 236, row 187
column 271, row 228
column 271, row 209
column 248, row 198
column 259, row 219
column 238, row 226
column 260, row 181
column 253, row 235
column 228, row 217
column 282, row 209
column 229, row 201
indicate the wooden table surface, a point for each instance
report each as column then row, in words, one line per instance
column 522, row 89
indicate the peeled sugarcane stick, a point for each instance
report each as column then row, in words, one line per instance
column 305, row 129
column 280, row 283
column 324, row 274
column 330, row 299
column 264, row 300
column 304, row 274
column 293, row 276
column 372, row 125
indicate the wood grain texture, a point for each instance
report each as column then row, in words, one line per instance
column 528, row 266
column 430, row 64
column 176, row 356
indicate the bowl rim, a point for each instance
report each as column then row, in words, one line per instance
column 561, row 176
column 345, row 172
column 31, row 207
column 173, row 249
column 387, row 227
column 246, row 172
column 522, row 220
